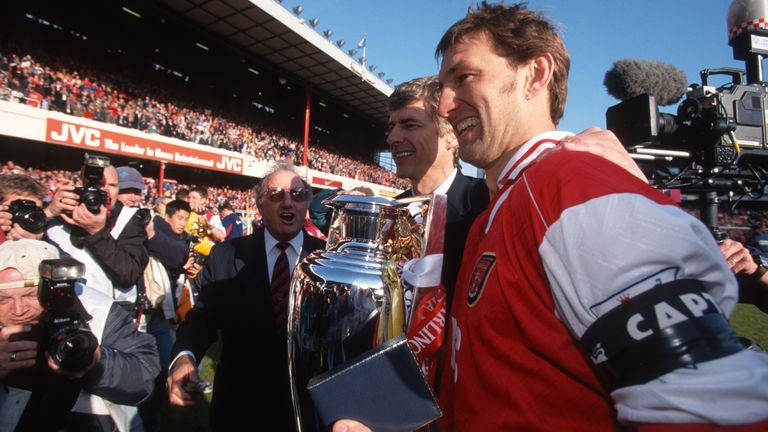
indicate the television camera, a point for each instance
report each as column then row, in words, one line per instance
column 717, row 142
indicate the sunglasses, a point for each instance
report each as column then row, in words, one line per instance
column 277, row 194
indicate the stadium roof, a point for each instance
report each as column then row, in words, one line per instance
column 273, row 34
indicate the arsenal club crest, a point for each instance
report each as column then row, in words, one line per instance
column 479, row 277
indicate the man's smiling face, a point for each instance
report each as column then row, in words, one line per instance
column 414, row 140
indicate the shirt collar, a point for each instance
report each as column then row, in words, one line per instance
column 444, row 186
column 296, row 242
column 528, row 153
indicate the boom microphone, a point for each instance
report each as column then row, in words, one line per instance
column 629, row 78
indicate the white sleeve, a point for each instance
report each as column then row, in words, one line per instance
column 216, row 222
column 623, row 244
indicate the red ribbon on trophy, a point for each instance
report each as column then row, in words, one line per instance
column 426, row 318
column 426, row 329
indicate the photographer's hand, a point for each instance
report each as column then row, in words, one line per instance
column 63, row 201
column 74, row 375
column 753, row 285
column 150, row 228
column 12, row 230
column 82, row 217
column 6, row 220
column 18, row 354
column 738, row 257
column 193, row 270
column 190, row 261
column 183, row 371
column 18, row 232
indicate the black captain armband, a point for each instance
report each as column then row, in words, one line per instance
column 671, row 326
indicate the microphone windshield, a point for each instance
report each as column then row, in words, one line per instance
column 629, row 78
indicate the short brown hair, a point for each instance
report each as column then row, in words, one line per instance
column 519, row 35
column 426, row 90
column 21, row 184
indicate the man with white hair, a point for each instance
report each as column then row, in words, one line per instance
column 244, row 298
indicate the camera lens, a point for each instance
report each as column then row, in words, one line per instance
column 28, row 215
column 34, row 221
column 91, row 203
column 74, row 352
column 93, row 198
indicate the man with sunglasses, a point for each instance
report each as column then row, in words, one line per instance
column 244, row 295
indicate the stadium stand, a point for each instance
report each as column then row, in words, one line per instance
column 24, row 80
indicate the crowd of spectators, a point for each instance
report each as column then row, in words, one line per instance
column 740, row 223
column 111, row 99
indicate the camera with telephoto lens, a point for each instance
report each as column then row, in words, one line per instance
column 28, row 215
column 63, row 329
column 91, row 193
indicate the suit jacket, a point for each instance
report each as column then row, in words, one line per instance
column 235, row 300
column 467, row 198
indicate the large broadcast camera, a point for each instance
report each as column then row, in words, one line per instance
column 63, row 330
column 718, row 141
column 91, row 193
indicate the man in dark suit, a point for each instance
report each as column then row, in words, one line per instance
column 236, row 299
column 424, row 148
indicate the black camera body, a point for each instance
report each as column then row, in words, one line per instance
column 93, row 197
column 717, row 141
column 62, row 329
column 198, row 258
column 91, row 193
column 28, row 215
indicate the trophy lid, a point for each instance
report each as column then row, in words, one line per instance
column 360, row 202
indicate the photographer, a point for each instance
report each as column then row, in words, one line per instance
column 37, row 393
column 21, row 197
column 107, row 237
column 130, row 186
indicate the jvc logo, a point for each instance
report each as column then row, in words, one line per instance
column 77, row 135
column 230, row 164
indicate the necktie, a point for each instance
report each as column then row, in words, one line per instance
column 281, row 280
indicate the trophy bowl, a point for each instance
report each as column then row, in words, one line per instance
column 340, row 302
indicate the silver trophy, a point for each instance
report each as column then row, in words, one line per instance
column 348, row 299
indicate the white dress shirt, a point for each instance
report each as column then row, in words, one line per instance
column 293, row 251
